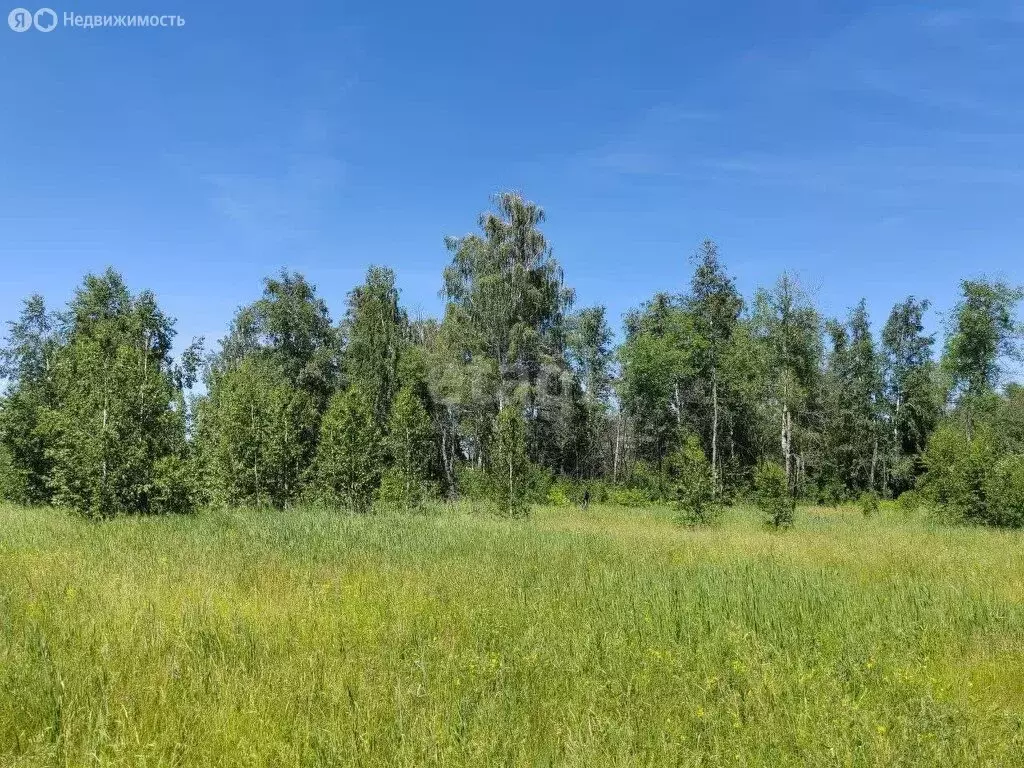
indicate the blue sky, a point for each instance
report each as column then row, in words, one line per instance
column 876, row 148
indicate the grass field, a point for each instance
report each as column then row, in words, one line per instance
column 606, row 637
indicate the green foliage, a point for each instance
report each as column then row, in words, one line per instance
column 984, row 333
column 912, row 398
column 12, row 481
column 832, row 491
column 624, row 496
column 852, row 428
column 472, row 482
column 694, row 484
column 909, row 502
column 787, row 333
column 112, row 418
column 289, row 329
column 351, row 452
column 410, row 444
column 175, row 486
column 257, row 433
column 869, row 503
column 1004, row 492
column 375, row 331
column 660, row 357
column 504, row 332
column 590, row 354
column 973, row 478
column 509, row 467
column 26, row 360
column 772, row 494
column 94, row 413
column 956, row 469
column 646, row 482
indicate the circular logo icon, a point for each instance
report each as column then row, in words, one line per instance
column 45, row 19
column 20, row 20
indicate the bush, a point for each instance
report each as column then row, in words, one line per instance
column 646, row 481
column 175, row 486
column 956, row 472
column 470, row 482
column 693, row 484
column 539, row 483
column 772, row 495
column 562, row 493
column 909, row 502
column 832, row 493
column 12, row 482
column 1004, row 492
column 627, row 497
column 869, row 503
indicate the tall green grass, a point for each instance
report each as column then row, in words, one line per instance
column 606, row 637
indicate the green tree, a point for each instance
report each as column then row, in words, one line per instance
column 257, row 431
column 660, row 359
column 694, row 483
column 410, row 446
column 375, row 331
column 509, row 465
column 505, row 293
column 716, row 306
column 984, row 333
column 267, row 389
column 852, row 427
column 912, row 405
column 351, row 452
column 773, row 496
column 26, row 362
column 789, row 331
column 290, row 327
column 113, row 428
column 591, row 357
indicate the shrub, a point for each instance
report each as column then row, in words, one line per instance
column 1004, row 492
column 627, row 497
column 560, row 494
column 175, row 486
column 956, row 472
column 539, row 481
column 598, row 491
column 832, row 492
column 869, row 503
column 646, row 481
column 471, row 482
column 693, row 484
column 772, row 495
column 909, row 502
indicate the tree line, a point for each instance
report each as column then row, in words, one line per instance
column 515, row 395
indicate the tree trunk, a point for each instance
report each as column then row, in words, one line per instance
column 256, row 455
column 787, row 444
column 615, row 458
column 874, row 461
column 714, row 433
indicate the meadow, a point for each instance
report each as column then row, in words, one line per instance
column 606, row 637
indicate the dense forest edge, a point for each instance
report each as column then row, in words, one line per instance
column 516, row 397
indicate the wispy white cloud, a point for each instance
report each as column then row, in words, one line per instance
column 648, row 146
column 277, row 185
